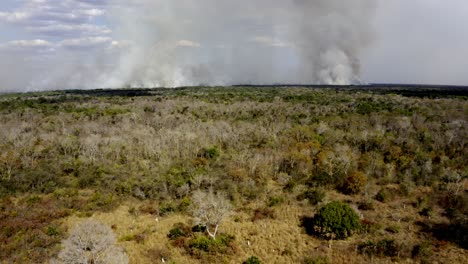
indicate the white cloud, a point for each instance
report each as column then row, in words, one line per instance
column 28, row 44
column 58, row 17
column 272, row 42
column 13, row 17
column 70, row 30
column 80, row 43
column 94, row 12
column 188, row 43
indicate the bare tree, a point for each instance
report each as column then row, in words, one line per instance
column 210, row 210
column 91, row 242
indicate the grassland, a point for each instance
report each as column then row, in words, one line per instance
column 133, row 158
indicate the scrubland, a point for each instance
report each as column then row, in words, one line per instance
column 133, row 159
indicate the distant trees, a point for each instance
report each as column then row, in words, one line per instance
column 83, row 154
column 210, row 210
column 91, row 242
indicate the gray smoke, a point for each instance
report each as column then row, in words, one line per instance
column 219, row 42
column 169, row 43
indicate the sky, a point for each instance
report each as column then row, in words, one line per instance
column 86, row 44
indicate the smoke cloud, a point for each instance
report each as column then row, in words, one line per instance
column 220, row 42
column 170, row 43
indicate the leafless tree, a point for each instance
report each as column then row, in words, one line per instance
column 91, row 242
column 210, row 210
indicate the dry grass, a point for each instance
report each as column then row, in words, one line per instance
column 281, row 239
column 278, row 240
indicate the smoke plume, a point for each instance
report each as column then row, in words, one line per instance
column 219, row 42
column 170, row 43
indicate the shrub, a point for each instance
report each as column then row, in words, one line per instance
column 184, row 204
column 166, row 208
column 290, row 185
column 385, row 247
column 272, row 201
column 314, row 196
column 384, row 195
column 210, row 153
column 202, row 243
column 52, row 231
column 366, row 205
column 426, row 211
column 354, row 183
column 179, row 230
column 335, row 220
column 175, row 233
column 220, row 244
column 322, row 178
column 422, row 250
column 252, row 260
column 199, row 228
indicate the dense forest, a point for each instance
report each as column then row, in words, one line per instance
column 234, row 175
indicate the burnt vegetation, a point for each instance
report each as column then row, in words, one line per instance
column 238, row 174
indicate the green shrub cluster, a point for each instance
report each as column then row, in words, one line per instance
column 197, row 243
column 335, row 220
column 273, row 201
column 222, row 244
column 382, row 248
column 314, row 196
column 252, row 260
column 210, row 153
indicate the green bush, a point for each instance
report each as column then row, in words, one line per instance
column 202, row 243
column 314, row 196
column 199, row 228
column 273, row 201
column 423, row 250
column 210, row 153
column 322, row 178
column 335, row 220
column 384, row 195
column 252, row 260
column 206, row 244
column 426, row 211
column 383, row 248
column 166, row 208
column 179, row 230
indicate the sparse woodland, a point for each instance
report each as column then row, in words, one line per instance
column 235, row 175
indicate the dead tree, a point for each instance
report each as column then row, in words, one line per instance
column 210, row 210
column 91, row 242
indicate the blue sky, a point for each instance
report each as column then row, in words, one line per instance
column 418, row 41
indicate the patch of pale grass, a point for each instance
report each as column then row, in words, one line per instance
column 278, row 240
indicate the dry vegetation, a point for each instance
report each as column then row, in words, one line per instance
column 133, row 160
